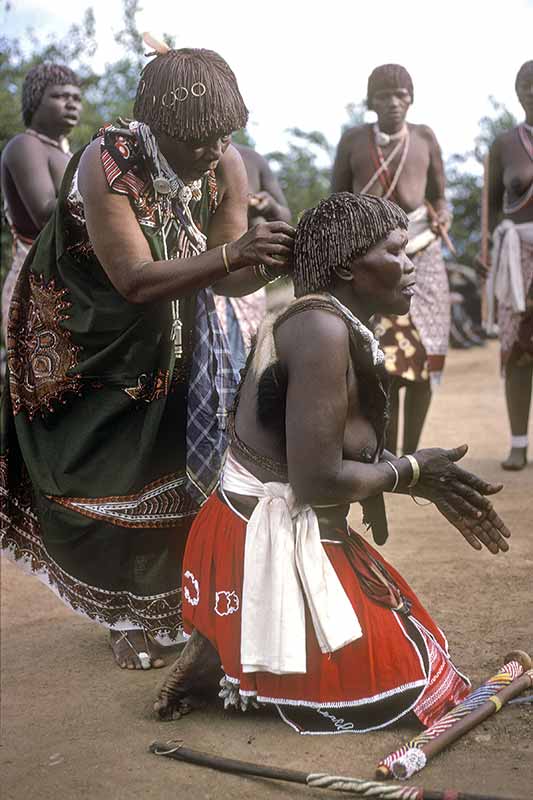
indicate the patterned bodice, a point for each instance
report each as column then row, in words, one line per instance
column 127, row 173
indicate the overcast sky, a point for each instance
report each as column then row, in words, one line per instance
column 300, row 62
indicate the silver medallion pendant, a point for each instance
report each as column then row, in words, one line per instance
column 162, row 186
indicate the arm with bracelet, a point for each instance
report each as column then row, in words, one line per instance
column 460, row 496
column 232, row 251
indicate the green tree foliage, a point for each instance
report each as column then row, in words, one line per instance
column 243, row 137
column 491, row 125
column 464, row 190
column 356, row 115
column 303, row 169
column 18, row 56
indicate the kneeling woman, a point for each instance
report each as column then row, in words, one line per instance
column 298, row 609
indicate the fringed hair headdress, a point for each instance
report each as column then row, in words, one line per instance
column 524, row 74
column 388, row 76
column 36, row 81
column 189, row 94
column 340, row 228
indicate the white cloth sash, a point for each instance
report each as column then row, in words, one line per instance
column 285, row 566
column 419, row 231
column 505, row 282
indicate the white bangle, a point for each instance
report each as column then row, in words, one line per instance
column 396, row 475
column 415, row 466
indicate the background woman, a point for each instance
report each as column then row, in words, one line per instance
column 511, row 279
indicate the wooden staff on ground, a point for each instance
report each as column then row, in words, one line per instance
column 316, row 780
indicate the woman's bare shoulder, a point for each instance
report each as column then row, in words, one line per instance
column 91, row 176
column 231, row 172
column 23, row 146
column 311, row 330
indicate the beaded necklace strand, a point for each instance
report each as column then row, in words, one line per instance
column 61, row 144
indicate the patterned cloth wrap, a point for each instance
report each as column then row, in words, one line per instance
column 510, row 285
column 109, row 441
column 416, row 344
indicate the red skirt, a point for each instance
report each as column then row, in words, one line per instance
column 401, row 662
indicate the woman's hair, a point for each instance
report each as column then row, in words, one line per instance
column 525, row 73
column 190, row 95
column 340, row 228
column 388, row 76
column 36, row 81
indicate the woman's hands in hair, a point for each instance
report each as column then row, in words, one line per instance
column 461, row 497
column 269, row 243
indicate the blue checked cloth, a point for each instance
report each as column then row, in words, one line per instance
column 212, row 386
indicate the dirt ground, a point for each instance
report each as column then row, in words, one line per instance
column 75, row 726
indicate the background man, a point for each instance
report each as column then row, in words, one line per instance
column 397, row 160
column 241, row 316
column 33, row 162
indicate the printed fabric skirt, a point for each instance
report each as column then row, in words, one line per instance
column 400, row 664
column 515, row 328
column 415, row 345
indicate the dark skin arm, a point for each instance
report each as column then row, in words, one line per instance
column 230, row 224
column 341, row 177
column 123, row 251
column 436, row 181
column 270, row 201
column 30, row 171
column 459, row 495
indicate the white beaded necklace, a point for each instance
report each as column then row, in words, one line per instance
column 383, row 139
column 61, row 144
column 403, row 145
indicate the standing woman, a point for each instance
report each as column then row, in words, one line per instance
column 119, row 376
column 511, row 278
column 34, row 162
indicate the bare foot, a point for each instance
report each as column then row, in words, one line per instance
column 516, row 460
column 193, row 673
column 133, row 649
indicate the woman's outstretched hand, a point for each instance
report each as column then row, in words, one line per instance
column 461, row 497
column 269, row 243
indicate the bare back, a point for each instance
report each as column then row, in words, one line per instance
column 324, row 422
